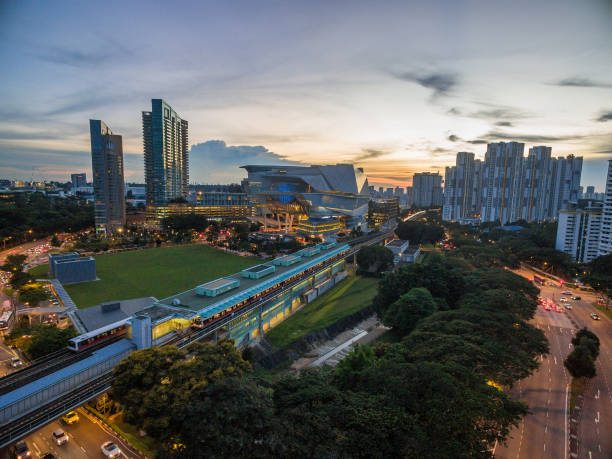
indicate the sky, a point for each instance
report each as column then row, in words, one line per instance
column 394, row 87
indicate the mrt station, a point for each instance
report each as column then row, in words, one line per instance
column 244, row 305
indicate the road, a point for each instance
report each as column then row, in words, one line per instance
column 544, row 433
column 86, row 438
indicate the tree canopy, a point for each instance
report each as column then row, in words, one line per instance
column 418, row 232
column 374, row 259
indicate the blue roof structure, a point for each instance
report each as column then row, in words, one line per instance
column 97, row 357
column 207, row 307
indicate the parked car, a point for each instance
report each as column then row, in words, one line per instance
column 594, row 316
column 16, row 362
column 60, row 437
column 576, row 298
column 70, row 417
column 20, row 450
column 568, row 306
column 109, row 449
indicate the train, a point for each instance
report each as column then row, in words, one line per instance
column 92, row 338
column 202, row 323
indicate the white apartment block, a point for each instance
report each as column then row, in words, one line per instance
column 578, row 232
column 605, row 242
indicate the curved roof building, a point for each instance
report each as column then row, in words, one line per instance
column 324, row 199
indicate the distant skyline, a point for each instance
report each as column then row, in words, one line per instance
column 395, row 88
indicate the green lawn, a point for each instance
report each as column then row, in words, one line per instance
column 352, row 294
column 157, row 272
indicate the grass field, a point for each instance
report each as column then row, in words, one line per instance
column 157, row 272
column 352, row 294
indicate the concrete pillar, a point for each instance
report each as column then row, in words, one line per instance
column 216, row 336
column 260, row 322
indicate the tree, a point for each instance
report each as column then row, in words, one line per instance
column 374, row 259
column 48, row 339
column 404, row 314
column 55, row 242
column 19, row 279
column 501, row 300
column 580, row 362
column 355, row 362
column 599, row 276
column 588, row 338
column 228, row 418
column 420, row 232
column 14, row 263
column 33, row 294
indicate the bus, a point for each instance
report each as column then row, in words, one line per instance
column 6, row 320
column 538, row 280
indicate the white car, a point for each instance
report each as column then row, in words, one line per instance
column 60, row 437
column 109, row 449
column 563, row 299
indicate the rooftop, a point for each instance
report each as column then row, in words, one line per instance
column 100, row 315
column 258, row 268
column 218, row 283
column 189, row 301
column 397, row 243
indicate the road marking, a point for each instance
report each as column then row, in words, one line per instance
column 597, row 418
column 555, row 360
column 36, row 448
column 84, row 450
column 597, row 396
column 599, row 448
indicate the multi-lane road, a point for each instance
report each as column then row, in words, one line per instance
column 545, row 432
column 85, row 440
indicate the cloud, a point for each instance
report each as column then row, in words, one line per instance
column 441, row 83
column 579, row 82
column 370, row 153
column 504, row 124
column 456, row 138
column 531, row 138
column 507, row 113
column 605, row 116
column 216, row 162
column 454, row 111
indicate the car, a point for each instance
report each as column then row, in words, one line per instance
column 594, row 316
column 576, row 298
column 16, row 362
column 109, row 449
column 60, row 437
column 566, row 293
column 563, row 299
column 21, row 450
column 568, row 306
column 70, row 417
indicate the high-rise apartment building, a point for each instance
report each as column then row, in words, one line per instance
column 535, row 189
column 78, row 180
column 427, row 189
column 502, row 170
column 463, row 188
column 566, row 174
column 605, row 241
column 166, row 147
column 107, row 166
column 579, row 231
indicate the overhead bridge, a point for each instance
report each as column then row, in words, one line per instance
column 34, row 396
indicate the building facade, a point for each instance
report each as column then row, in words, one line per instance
column 220, row 206
column 535, row 198
column 605, row 243
column 310, row 198
column 166, row 150
column 78, row 180
column 579, row 231
column 381, row 211
column 501, row 181
column 107, row 167
column 427, row 189
column 463, row 188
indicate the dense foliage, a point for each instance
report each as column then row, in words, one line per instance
column 581, row 361
column 419, row 232
column 39, row 341
column 374, row 259
column 35, row 215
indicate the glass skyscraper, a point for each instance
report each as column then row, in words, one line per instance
column 107, row 166
column 166, row 145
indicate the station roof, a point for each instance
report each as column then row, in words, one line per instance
column 258, row 268
column 96, row 317
column 397, row 243
column 208, row 306
column 218, row 283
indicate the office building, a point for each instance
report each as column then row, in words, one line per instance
column 166, row 147
column 78, row 180
column 381, row 211
column 220, row 206
column 427, row 189
column 579, row 231
column 463, row 189
column 107, row 167
column 605, row 242
column 501, row 181
column 316, row 199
